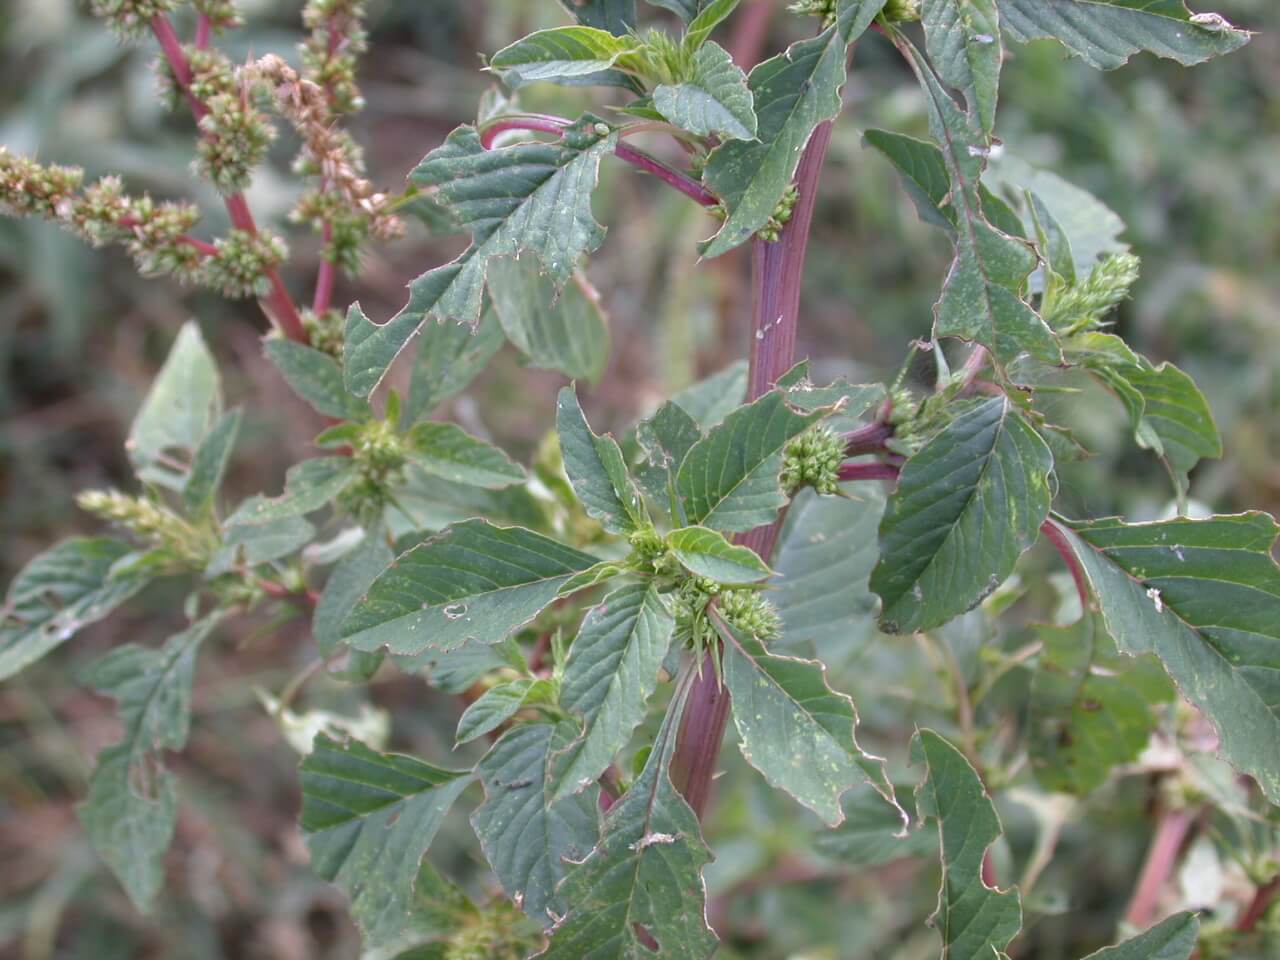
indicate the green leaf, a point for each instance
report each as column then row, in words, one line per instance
column 497, row 705
column 58, row 593
column 713, row 101
column 796, row 730
column 1172, row 939
column 871, row 833
column 1051, row 239
column 1204, row 597
column 616, row 16
column 446, row 450
column 316, row 377
column 612, row 672
column 255, row 543
column 368, row 819
column 561, row 53
column 976, row 922
column 458, row 670
column 210, row 463
column 425, row 503
column 644, row 876
column 706, row 553
column 184, row 402
column 530, row 196
column 824, row 559
column 664, row 440
column 793, row 92
column 711, row 13
column 449, row 356
column 923, row 171
column 963, row 40
column 729, row 480
column 1091, row 710
column 1106, row 33
column 132, row 804
column 686, row 10
column 709, row 401
column 527, row 836
column 471, row 582
column 982, row 295
column 564, row 330
column 597, row 470
column 965, row 508
column 350, row 579
column 308, row 486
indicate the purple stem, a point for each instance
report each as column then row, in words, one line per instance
column 776, row 270
column 1057, row 536
column 868, row 471
column 868, row 439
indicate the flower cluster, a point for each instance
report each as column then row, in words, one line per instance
column 744, row 610
column 222, row 14
column 185, row 546
column 242, row 260
column 329, row 55
column 813, row 460
column 772, row 231
column 132, row 17
column 1082, row 305
column 825, row 10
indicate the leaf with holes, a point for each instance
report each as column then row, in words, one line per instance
column 471, row 582
column 1204, row 597
column 966, row 506
column 975, row 922
column 530, row 196
column 368, row 819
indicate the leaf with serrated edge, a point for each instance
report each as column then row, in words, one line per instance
column 796, row 730
column 493, row 708
column 530, row 196
column 644, row 876
column 184, row 401
column 664, row 440
column 963, row 40
column 209, row 464
column 1106, row 33
column 982, row 294
column 966, row 507
column 612, row 672
column 316, row 377
column 446, row 450
column 1172, row 939
column 527, row 837
column 923, row 172
column 729, row 480
column 714, row 100
column 975, row 921
column 368, row 819
column 871, row 833
column 471, row 582
column 794, row 92
column 1091, row 710
column 561, row 53
column 564, row 330
column 131, row 809
column 706, row 553
column 59, row 592
column 1204, row 597
column 596, row 469
column 308, row 486
column 449, row 356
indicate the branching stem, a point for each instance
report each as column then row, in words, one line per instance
column 1057, row 536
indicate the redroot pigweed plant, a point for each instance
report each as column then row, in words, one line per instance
column 609, row 612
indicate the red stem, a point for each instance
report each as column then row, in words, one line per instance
column 206, row 249
column 777, row 269
column 1171, row 831
column 750, row 28
column 1057, row 536
column 1262, row 900
column 204, row 30
column 868, row 439
column 868, row 471
column 278, row 305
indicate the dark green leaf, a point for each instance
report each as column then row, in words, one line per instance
column 132, row 804
column 316, row 377
column 1106, row 33
column 612, row 672
column 210, row 463
column 616, row 16
column 446, row 450
column 871, row 833
column 308, row 486
column 711, row 400
column 664, row 440
column 60, row 591
column 368, row 819
column 1172, row 939
column 923, row 171
column 527, row 836
column 596, row 469
column 713, row 100
column 975, row 922
column 449, row 356
column 351, row 578
column 963, row 40
column 496, row 706
column 471, row 582
column 966, row 507
column 1204, row 597
column 710, row 14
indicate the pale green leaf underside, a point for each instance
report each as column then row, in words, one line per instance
column 1204, row 597
column 729, row 480
column 1171, row 939
column 62, row 590
column 966, row 507
column 446, row 450
column 471, row 582
column 612, row 672
column 1106, row 33
column 529, row 838
column 564, row 330
column 449, row 356
column 308, row 486
column 975, row 922
column 715, row 100
column 351, row 578
column 560, row 53
column 130, row 811
column 596, row 469
column 707, row 553
column 646, row 871
column 796, row 730
column 793, row 92
column 368, row 819
column 531, row 196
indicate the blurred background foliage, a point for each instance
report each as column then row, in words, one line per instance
column 1188, row 158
